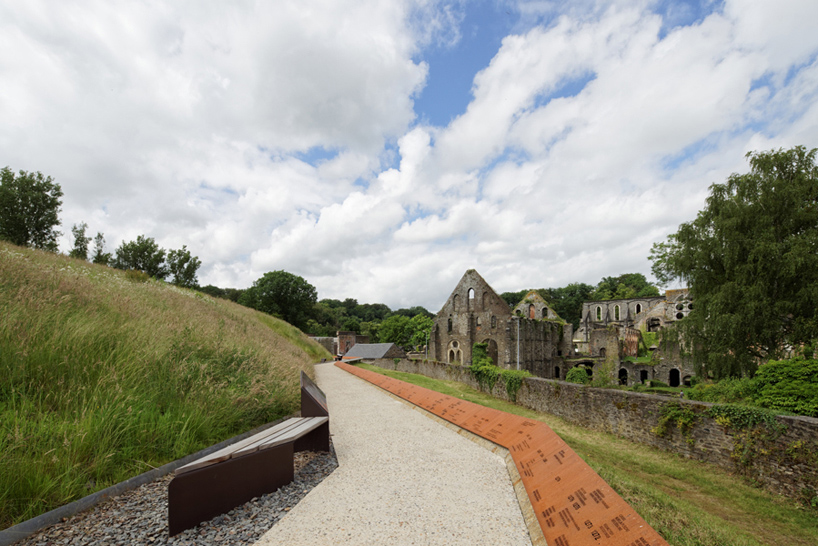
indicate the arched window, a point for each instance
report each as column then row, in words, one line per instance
column 599, row 313
column 602, row 352
column 455, row 301
column 545, row 312
column 450, row 325
column 493, row 321
column 531, row 311
column 616, row 312
column 638, row 308
column 623, row 376
column 556, row 372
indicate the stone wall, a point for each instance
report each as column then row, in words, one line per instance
column 785, row 464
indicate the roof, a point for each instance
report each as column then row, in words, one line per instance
column 369, row 350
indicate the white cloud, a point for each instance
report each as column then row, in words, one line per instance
column 262, row 134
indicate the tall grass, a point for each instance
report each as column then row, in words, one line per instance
column 103, row 376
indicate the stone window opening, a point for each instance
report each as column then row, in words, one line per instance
column 679, row 306
column 471, row 299
column 531, row 311
column 450, row 325
column 477, row 322
column 643, row 376
column 680, row 316
column 602, row 352
column 454, row 301
column 493, row 321
column 545, row 312
column 556, row 372
column 623, row 376
column 599, row 313
column 638, row 308
column 673, row 379
column 616, row 312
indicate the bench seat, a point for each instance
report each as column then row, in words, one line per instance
column 255, row 466
column 288, row 431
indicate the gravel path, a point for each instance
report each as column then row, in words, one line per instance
column 403, row 479
column 141, row 516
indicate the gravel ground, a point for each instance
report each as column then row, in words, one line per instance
column 141, row 516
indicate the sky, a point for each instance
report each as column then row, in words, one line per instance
column 379, row 149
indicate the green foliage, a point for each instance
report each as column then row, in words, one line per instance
column 483, row 368
column 788, row 385
column 183, row 267
column 679, row 415
column 727, row 391
column 627, row 286
column 143, row 254
column 578, row 375
column 749, row 260
column 81, row 241
column 513, row 380
column 284, row 295
column 742, row 417
column 102, row 379
column 29, row 209
column 404, row 331
column 100, row 256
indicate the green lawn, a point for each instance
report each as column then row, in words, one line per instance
column 689, row 503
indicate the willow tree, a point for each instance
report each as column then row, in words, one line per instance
column 750, row 259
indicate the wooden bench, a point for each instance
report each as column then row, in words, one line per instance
column 255, row 466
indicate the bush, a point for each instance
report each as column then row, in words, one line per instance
column 657, row 383
column 788, row 385
column 578, row 375
column 733, row 390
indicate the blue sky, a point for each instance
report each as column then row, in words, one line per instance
column 380, row 149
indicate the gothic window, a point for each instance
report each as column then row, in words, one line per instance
column 450, row 325
column 616, row 312
column 638, row 308
column 599, row 313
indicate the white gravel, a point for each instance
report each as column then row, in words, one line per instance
column 403, row 479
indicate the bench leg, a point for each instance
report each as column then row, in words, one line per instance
column 205, row 493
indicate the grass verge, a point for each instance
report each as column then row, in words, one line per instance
column 688, row 502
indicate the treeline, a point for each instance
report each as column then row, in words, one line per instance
column 291, row 298
column 29, row 215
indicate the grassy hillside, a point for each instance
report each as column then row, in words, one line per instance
column 105, row 374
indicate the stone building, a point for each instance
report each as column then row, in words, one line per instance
column 530, row 337
column 617, row 325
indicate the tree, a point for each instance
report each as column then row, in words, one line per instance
column 623, row 287
column 143, row 254
column 567, row 301
column 81, row 242
column 183, row 267
column 100, row 256
column 29, row 209
column 284, row 295
column 396, row 329
column 750, row 260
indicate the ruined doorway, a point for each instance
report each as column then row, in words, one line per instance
column 643, row 376
column 673, row 380
column 623, row 376
column 491, row 350
column 556, row 372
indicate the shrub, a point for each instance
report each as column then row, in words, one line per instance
column 657, row 383
column 788, row 385
column 578, row 375
column 733, row 390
